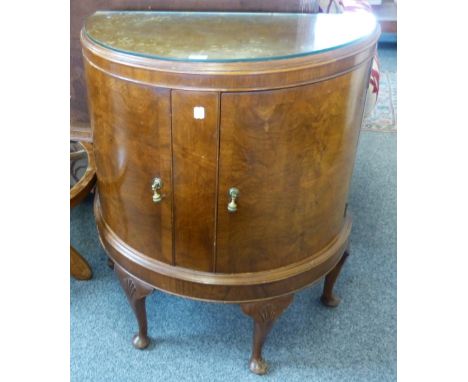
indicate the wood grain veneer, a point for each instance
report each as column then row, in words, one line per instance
column 283, row 132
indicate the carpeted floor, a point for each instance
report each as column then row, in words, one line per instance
column 196, row 341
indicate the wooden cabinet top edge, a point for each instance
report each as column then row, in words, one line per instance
column 230, row 77
column 235, row 68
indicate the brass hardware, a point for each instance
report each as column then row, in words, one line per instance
column 156, row 186
column 233, row 193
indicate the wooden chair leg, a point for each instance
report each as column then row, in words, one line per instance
column 328, row 297
column 264, row 314
column 79, row 267
column 110, row 263
column 136, row 292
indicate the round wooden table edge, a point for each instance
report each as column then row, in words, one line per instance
column 82, row 188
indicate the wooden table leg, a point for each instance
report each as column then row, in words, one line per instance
column 110, row 263
column 328, row 297
column 264, row 314
column 79, row 267
column 136, row 292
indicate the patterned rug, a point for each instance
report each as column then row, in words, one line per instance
column 384, row 116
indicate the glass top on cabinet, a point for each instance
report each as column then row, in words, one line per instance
column 225, row 36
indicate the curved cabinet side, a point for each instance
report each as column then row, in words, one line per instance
column 132, row 146
column 290, row 153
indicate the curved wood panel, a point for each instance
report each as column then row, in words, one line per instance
column 132, row 145
column 232, row 288
column 195, row 152
column 291, row 154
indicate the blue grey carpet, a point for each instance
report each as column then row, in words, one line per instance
column 197, row 341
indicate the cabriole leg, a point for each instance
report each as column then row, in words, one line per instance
column 136, row 292
column 328, row 297
column 264, row 314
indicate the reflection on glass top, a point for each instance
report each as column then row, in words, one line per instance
column 225, row 36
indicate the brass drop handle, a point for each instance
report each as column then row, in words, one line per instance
column 233, row 194
column 156, row 186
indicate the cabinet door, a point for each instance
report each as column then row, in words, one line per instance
column 132, row 145
column 290, row 153
column 195, row 150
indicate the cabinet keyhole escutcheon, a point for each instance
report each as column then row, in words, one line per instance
column 156, row 187
column 233, row 194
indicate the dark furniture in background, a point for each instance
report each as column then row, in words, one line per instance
column 82, row 180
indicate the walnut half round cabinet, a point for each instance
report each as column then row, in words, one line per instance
column 224, row 147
